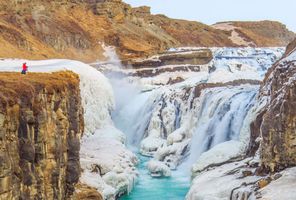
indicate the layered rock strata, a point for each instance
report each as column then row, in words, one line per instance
column 41, row 122
column 198, row 57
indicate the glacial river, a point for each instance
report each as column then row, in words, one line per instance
column 148, row 188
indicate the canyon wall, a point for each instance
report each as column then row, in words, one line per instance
column 278, row 118
column 41, row 122
column 76, row 29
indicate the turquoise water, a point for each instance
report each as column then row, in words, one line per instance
column 148, row 188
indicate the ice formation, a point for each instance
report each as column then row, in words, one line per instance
column 203, row 120
column 158, row 169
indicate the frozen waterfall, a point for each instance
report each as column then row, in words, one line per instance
column 220, row 117
column 171, row 127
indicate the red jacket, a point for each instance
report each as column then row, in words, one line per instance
column 25, row 67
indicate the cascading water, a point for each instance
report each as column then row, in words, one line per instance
column 133, row 119
column 220, row 118
column 175, row 126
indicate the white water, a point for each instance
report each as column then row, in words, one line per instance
column 220, row 118
column 134, row 118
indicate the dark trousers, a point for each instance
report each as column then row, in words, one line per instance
column 24, row 71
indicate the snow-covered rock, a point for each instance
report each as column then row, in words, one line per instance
column 96, row 91
column 158, row 169
column 105, row 156
column 150, row 144
column 217, row 183
column 219, row 154
column 282, row 188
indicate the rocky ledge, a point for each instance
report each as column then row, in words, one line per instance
column 41, row 122
column 197, row 57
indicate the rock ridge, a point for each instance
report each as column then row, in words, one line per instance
column 77, row 29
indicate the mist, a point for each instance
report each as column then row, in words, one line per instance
column 124, row 91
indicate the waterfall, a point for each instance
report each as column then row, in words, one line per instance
column 215, row 117
column 134, row 117
column 220, row 118
column 176, row 124
column 132, row 106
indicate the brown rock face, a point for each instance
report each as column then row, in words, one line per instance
column 277, row 124
column 41, row 122
column 84, row 192
column 75, row 29
column 263, row 182
column 257, row 34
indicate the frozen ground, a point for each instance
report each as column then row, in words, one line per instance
column 282, row 188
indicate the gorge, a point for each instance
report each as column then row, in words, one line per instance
column 165, row 109
column 192, row 120
column 220, row 111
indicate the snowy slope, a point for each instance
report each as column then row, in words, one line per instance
column 282, row 188
column 96, row 92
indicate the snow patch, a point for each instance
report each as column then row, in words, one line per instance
column 282, row 188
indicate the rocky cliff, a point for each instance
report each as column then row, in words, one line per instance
column 41, row 122
column 277, row 120
column 76, row 29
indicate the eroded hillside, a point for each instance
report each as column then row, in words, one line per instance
column 76, row 29
column 256, row 34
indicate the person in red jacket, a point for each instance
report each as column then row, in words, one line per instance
column 25, row 68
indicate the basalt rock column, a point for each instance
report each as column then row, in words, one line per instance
column 41, row 122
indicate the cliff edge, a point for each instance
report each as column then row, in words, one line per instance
column 41, row 122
